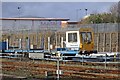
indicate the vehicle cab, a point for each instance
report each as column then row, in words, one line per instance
column 81, row 40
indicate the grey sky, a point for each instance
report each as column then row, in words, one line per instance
column 59, row 0
column 53, row 9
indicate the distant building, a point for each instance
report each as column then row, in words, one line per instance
column 72, row 24
column 69, row 24
column 33, row 31
column 64, row 24
column 30, row 23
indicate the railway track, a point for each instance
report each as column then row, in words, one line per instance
column 70, row 69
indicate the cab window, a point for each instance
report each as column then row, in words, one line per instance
column 86, row 36
column 72, row 37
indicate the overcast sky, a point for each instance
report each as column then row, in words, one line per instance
column 53, row 9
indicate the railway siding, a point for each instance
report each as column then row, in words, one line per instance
column 35, row 69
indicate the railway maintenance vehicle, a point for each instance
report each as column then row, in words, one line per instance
column 79, row 42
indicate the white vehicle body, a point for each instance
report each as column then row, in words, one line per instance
column 72, row 40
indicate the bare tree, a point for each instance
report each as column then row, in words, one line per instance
column 118, row 12
column 114, row 11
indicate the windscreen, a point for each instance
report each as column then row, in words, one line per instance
column 72, row 37
column 86, row 36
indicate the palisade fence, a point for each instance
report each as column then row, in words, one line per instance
column 106, row 36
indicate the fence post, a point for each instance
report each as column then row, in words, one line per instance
column 61, row 42
column 103, row 42
column 110, row 43
column 105, row 60
column 7, row 44
column 48, row 43
column 58, row 64
column 56, row 39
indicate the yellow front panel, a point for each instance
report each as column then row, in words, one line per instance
column 85, row 44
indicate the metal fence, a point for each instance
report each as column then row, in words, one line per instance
column 107, row 36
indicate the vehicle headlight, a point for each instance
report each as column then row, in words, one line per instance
column 80, row 45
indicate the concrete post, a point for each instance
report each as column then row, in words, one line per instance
column 56, row 40
column 104, row 42
column 58, row 64
column 97, row 41
column 20, row 43
column 7, row 44
column 110, row 42
column 61, row 42
column 105, row 60
column 48, row 43
column 28, row 43
column 117, row 43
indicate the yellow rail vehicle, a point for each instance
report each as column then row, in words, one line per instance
column 82, row 40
